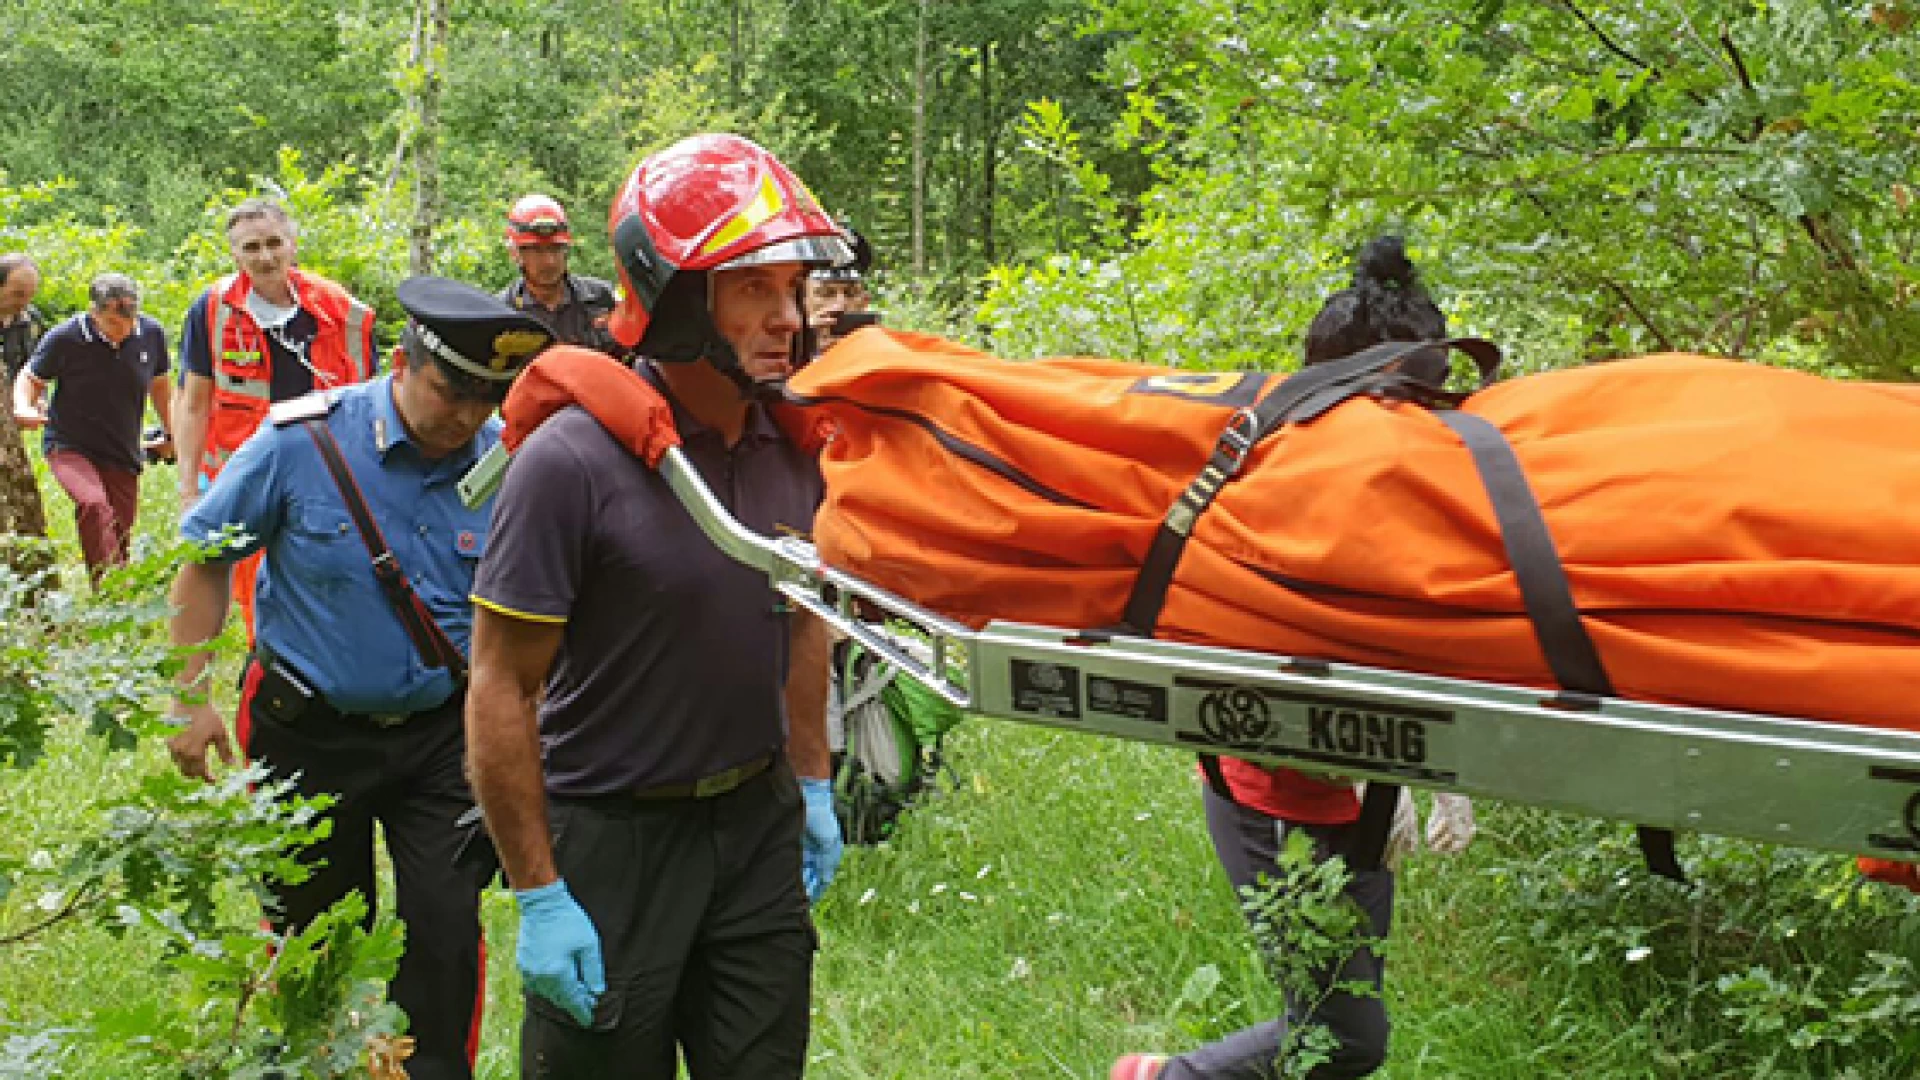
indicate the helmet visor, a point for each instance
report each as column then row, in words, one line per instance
column 540, row 231
column 812, row 250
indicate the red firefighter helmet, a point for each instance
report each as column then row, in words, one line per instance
column 537, row 219
column 710, row 202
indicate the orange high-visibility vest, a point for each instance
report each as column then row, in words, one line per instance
column 342, row 353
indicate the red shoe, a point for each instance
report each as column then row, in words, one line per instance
column 1138, row 1067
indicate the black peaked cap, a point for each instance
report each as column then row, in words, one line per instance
column 471, row 331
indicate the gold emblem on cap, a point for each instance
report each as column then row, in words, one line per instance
column 513, row 346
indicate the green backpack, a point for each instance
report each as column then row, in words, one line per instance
column 887, row 732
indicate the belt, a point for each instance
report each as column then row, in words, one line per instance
column 707, row 786
column 319, row 710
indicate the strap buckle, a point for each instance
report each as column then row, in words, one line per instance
column 1237, row 440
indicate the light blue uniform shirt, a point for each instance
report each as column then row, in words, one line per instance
column 319, row 608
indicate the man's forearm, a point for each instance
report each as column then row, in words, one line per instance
column 810, row 666
column 503, row 761
column 199, row 598
column 26, row 392
column 191, row 409
column 161, row 393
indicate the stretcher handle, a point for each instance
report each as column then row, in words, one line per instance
column 794, row 568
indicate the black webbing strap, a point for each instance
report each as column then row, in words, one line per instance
column 436, row 649
column 1216, row 779
column 1563, row 638
column 1365, row 841
column 1298, row 398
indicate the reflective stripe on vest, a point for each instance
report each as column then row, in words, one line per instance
column 245, row 387
column 217, row 319
column 359, row 333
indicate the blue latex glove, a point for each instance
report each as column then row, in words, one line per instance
column 559, row 953
column 820, row 848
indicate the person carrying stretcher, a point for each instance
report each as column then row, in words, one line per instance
column 1252, row 808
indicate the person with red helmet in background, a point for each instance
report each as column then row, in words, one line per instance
column 575, row 307
column 646, row 723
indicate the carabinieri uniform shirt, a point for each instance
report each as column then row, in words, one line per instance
column 319, row 608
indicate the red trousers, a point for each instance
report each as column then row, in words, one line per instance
column 105, row 500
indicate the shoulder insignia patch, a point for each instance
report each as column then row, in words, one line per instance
column 305, row 407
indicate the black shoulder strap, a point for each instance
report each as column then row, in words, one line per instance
column 1298, row 398
column 435, row 647
column 1545, row 592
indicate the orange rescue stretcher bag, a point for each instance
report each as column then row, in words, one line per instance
column 1670, row 528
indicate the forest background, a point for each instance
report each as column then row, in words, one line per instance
column 1174, row 183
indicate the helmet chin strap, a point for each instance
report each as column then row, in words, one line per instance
column 719, row 352
column 683, row 331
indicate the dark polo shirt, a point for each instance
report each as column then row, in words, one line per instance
column 674, row 657
column 581, row 319
column 99, row 389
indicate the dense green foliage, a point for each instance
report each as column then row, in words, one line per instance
column 107, row 844
column 1583, row 179
column 1178, row 183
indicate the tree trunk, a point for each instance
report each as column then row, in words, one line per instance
column 989, row 150
column 920, row 141
column 21, row 512
column 431, row 51
column 737, row 63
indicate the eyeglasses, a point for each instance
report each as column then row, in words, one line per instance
column 544, row 227
column 126, row 307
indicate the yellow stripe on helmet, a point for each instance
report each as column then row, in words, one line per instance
column 764, row 205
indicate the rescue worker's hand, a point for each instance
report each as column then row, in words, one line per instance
column 1450, row 826
column 820, row 849
column 28, row 420
column 189, row 747
column 559, row 952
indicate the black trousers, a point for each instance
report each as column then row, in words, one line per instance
column 410, row 779
column 1248, row 842
column 705, row 931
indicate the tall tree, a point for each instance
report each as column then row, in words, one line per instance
column 429, row 57
column 920, row 30
column 21, row 511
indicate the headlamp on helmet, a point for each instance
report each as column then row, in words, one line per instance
column 537, row 219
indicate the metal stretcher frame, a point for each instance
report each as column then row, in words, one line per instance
column 1804, row 783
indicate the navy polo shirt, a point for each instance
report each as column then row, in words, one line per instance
column 287, row 377
column 99, row 388
column 673, row 662
column 319, row 608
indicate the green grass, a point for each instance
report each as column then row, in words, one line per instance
column 1059, row 905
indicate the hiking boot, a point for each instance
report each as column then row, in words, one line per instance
column 1138, row 1067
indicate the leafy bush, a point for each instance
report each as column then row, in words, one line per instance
column 175, row 865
